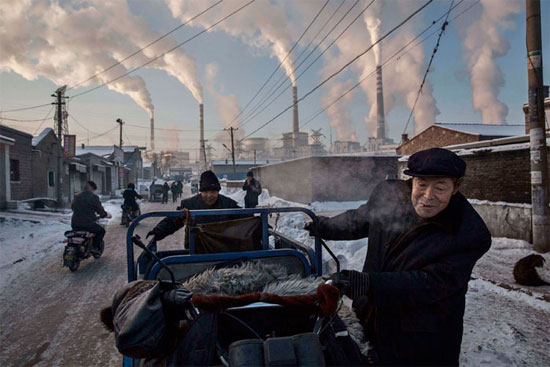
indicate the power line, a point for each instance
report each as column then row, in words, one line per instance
column 17, row 120
column 443, row 27
column 170, row 50
column 26, row 108
column 281, row 63
column 170, row 129
column 393, row 57
column 44, row 120
column 99, row 135
column 344, row 66
column 250, row 117
column 148, row 45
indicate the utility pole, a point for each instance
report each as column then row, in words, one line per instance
column 120, row 122
column 539, row 159
column 231, row 130
column 60, row 95
column 254, row 156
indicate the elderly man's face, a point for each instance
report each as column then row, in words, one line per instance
column 431, row 195
column 210, row 197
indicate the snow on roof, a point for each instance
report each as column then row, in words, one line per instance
column 486, row 129
column 147, row 164
column 229, row 162
column 37, row 139
column 5, row 138
column 129, row 148
column 102, row 151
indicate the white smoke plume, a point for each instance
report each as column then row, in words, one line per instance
column 227, row 106
column 483, row 42
column 338, row 113
column 261, row 25
column 373, row 21
column 68, row 42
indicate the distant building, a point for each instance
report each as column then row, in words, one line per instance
column 441, row 135
column 5, row 186
column 341, row 146
column 224, row 168
column 111, row 165
column 546, row 111
column 133, row 162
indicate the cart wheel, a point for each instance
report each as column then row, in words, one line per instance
column 74, row 265
column 99, row 252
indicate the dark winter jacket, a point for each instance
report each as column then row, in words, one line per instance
column 165, row 188
column 85, row 206
column 130, row 196
column 418, row 271
column 170, row 225
column 253, row 190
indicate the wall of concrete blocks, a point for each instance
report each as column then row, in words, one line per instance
column 326, row 178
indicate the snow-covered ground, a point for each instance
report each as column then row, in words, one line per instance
column 504, row 324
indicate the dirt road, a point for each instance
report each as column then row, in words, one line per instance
column 50, row 316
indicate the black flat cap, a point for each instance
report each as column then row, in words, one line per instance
column 209, row 182
column 435, row 162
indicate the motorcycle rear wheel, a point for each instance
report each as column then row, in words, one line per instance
column 99, row 251
column 73, row 266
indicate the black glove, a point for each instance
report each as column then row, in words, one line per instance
column 312, row 228
column 154, row 232
column 353, row 284
column 176, row 301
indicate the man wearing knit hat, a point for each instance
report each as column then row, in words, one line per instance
column 424, row 240
column 207, row 198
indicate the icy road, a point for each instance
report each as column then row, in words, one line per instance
column 49, row 316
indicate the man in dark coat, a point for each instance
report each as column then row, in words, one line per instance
column 424, row 240
column 174, row 189
column 180, row 188
column 253, row 190
column 165, row 190
column 208, row 198
column 130, row 195
column 86, row 207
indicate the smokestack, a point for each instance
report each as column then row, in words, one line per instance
column 380, row 123
column 295, row 123
column 203, row 148
column 152, row 133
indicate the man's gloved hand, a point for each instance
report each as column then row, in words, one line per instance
column 353, row 284
column 176, row 301
column 154, row 232
column 312, row 228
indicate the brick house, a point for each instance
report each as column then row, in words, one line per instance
column 44, row 167
column 5, row 187
column 20, row 163
column 442, row 135
column 133, row 162
column 111, row 165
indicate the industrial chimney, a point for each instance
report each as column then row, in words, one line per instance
column 152, row 133
column 295, row 123
column 203, row 148
column 380, row 122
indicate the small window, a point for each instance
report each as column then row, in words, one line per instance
column 51, row 179
column 14, row 170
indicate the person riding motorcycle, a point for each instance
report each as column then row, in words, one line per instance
column 85, row 207
column 130, row 195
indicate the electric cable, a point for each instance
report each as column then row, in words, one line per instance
column 148, row 45
column 170, row 50
column 44, row 120
column 443, row 27
column 26, row 108
column 330, row 77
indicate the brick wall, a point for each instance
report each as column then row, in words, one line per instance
column 21, row 151
column 435, row 137
column 328, row 178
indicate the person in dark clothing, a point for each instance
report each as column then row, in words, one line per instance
column 174, row 189
column 86, row 206
column 130, row 195
column 424, row 240
column 180, row 188
column 253, row 190
column 165, row 189
column 208, row 198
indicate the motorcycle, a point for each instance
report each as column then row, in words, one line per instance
column 79, row 246
column 128, row 215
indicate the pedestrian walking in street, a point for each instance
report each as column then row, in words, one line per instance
column 424, row 240
column 180, row 188
column 174, row 189
column 253, row 190
column 165, row 189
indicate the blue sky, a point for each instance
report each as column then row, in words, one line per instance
column 243, row 68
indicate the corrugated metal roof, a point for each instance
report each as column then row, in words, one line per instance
column 98, row 150
column 486, row 129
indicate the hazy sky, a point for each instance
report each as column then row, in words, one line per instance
column 478, row 75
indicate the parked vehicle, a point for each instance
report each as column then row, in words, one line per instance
column 79, row 246
column 155, row 192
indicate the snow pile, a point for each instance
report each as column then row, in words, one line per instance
column 22, row 242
